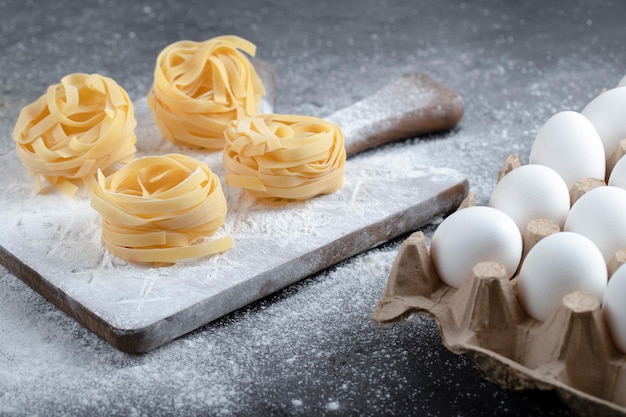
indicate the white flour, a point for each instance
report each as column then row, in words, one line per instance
column 221, row 370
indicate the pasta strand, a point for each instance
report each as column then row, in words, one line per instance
column 199, row 87
column 284, row 156
column 81, row 125
column 161, row 209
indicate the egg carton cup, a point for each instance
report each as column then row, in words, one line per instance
column 571, row 353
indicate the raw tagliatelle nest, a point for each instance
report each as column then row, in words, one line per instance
column 161, row 209
column 83, row 124
column 199, row 87
column 284, row 156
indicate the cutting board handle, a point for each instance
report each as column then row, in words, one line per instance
column 412, row 105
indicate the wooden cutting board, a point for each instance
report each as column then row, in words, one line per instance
column 52, row 242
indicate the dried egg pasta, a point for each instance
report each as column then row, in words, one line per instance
column 83, row 124
column 199, row 87
column 284, row 156
column 160, row 209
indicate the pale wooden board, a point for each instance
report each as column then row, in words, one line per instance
column 52, row 242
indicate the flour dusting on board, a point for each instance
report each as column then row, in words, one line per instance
column 385, row 104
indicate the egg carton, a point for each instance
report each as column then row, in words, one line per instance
column 571, row 353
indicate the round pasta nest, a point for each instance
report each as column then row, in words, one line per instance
column 159, row 209
column 83, row 124
column 284, row 156
column 199, row 87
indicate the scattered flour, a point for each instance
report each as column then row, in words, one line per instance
column 332, row 406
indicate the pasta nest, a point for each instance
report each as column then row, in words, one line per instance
column 83, row 124
column 284, row 156
column 159, row 209
column 199, row 87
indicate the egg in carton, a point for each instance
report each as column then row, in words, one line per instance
column 483, row 317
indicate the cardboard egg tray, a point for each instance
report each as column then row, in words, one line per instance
column 571, row 353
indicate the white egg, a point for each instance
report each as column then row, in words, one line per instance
column 473, row 235
column 600, row 215
column 559, row 264
column 622, row 82
column 532, row 192
column 618, row 174
column 569, row 144
column 607, row 114
column 614, row 307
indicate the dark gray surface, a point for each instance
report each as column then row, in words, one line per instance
column 311, row 349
